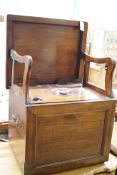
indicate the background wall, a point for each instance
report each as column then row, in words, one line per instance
column 101, row 15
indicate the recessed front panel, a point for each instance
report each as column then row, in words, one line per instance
column 68, row 137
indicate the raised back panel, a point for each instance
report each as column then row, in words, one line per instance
column 54, row 45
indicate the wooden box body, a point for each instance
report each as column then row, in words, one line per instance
column 58, row 132
column 49, row 138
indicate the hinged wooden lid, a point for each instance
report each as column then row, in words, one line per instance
column 54, row 45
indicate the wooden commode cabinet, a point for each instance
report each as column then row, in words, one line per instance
column 58, row 120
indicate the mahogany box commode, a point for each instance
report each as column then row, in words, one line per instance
column 58, row 120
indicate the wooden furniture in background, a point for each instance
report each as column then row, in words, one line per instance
column 4, row 126
column 115, row 96
column 58, row 120
column 114, row 140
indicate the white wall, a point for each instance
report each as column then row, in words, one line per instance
column 3, row 91
column 45, row 8
column 101, row 15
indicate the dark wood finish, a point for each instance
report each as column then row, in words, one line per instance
column 113, row 150
column 116, row 113
column 60, row 136
column 115, row 96
column 27, row 60
column 55, row 93
column 109, row 67
column 4, row 126
column 50, row 42
column 17, row 125
column 55, row 124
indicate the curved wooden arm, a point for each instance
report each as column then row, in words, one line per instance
column 27, row 60
column 109, row 67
